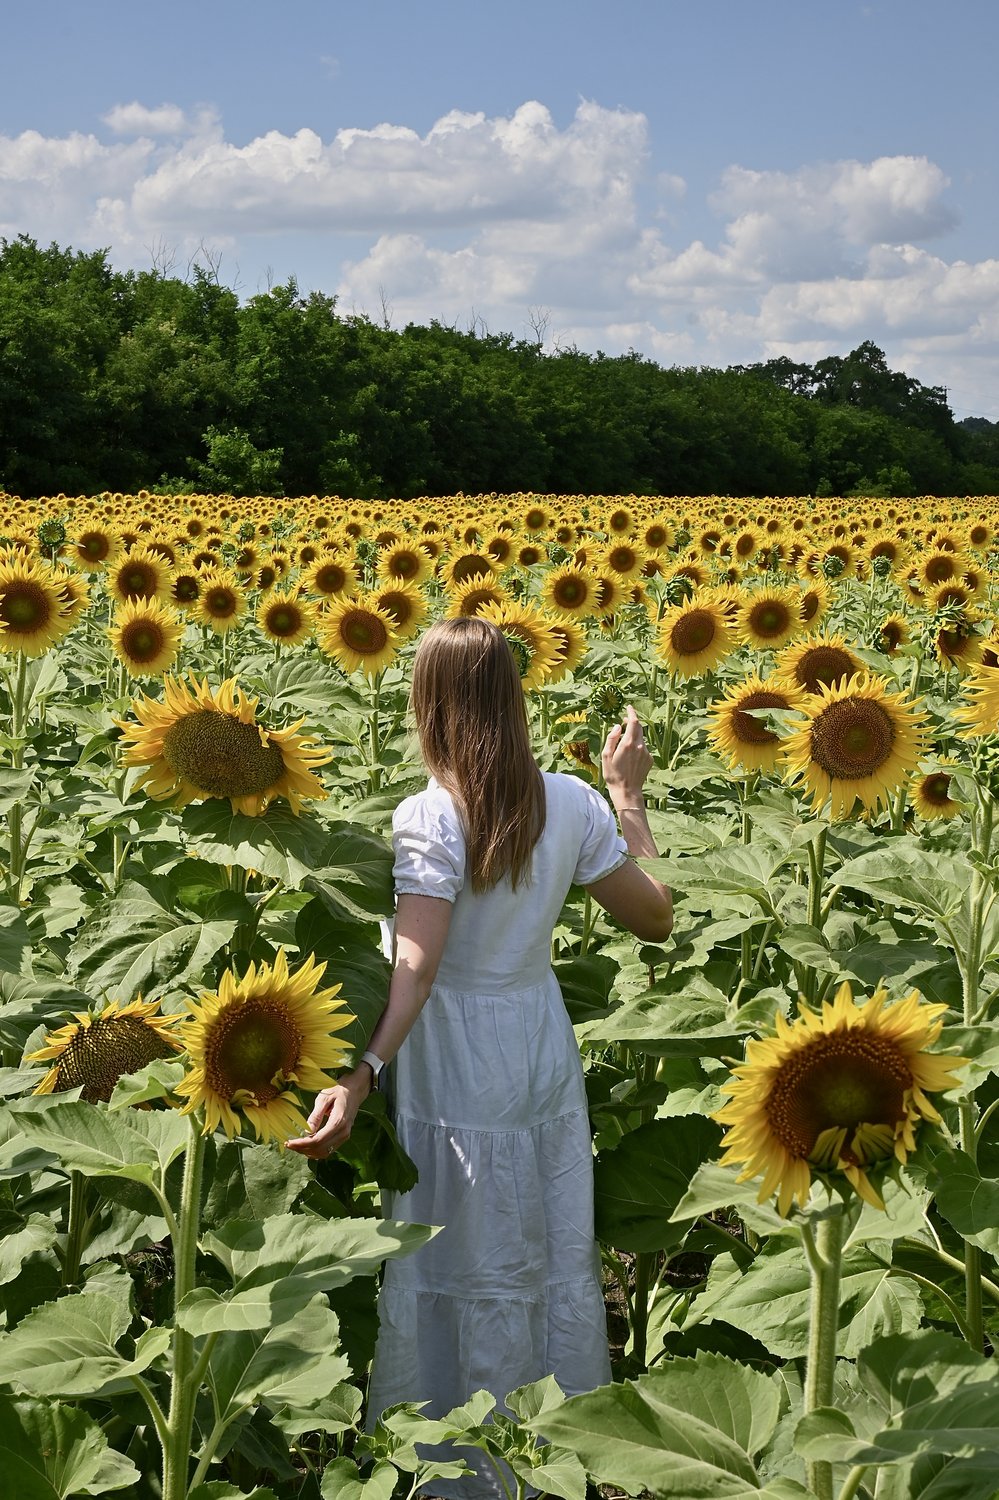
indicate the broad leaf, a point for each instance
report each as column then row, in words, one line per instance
column 49, row 1452
column 67, row 1348
column 133, row 944
column 289, row 1365
column 902, row 874
column 639, row 1183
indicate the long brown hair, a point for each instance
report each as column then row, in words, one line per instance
column 470, row 716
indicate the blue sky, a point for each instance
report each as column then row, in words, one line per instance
column 709, row 183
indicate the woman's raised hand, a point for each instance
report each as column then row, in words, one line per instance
column 626, row 762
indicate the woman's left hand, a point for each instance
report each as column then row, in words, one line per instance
column 333, row 1115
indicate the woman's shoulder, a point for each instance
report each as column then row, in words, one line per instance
column 433, row 806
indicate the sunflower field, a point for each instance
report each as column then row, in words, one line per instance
column 794, row 1099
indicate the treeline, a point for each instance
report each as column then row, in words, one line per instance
column 116, row 380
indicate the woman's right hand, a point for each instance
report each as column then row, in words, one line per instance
column 626, row 762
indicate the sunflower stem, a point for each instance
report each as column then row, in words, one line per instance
column 15, row 818
column 852, row 1482
column 816, row 871
column 374, row 743
column 76, row 1229
column 746, row 789
column 824, row 1248
column 183, row 1390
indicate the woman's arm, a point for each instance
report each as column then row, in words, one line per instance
column 643, row 904
column 421, row 928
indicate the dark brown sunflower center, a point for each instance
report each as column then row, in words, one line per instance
column 809, row 606
column 104, row 1051
column 138, row 580
column 745, row 545
column 220, row 755
column 891, row 636
column 186, row 589
column 399, row 606
column 570, row 592
column 823, row 664
column 768, row 619
column 845, row 1078
column 752, row 731
column 221, row 603
column 535, row 519
column 267, row 576
column 693, row 632
column 472, row 602
column 330, row 578
column 94, row 545
column 852, row 739
column 619, row 520
column 939, row 569
column 404, row 565
column 656, row 536
column 249, row 1047
column 26, row 606
column 622, row 559
column 499, row 549
column 528, row 556
column 936, row 788
column 363, row 632
column 142, row 640
column 283, row 619
column 472, row 565
column 978, row 535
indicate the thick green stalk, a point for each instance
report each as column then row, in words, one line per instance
column 183, row 1387
column 816, row 872
column 76, row 1229
column 15, row 818
column 374, row 742
column 746, row 790
column 825, row 1256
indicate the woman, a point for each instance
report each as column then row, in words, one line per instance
column 487, row 1092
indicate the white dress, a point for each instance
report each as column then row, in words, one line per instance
column 488, row 1099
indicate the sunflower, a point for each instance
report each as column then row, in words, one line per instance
column 611, row 593
column 931, row 793
column 285, row 619
column 570, row 637
column 146, row 637
column 840, row 1090
column 465, row 565
column 813, row 602
column 34, row 615
column 185, row 590
column 624, row 560
column 980, row 711
column 405, row 562
column 958, row 644
column 405, row 606
column 331, row 577
column 817, row 662
column 358, row 634
column 858, row 743
column 468, row 598
column 768, row 618
column 500, row 548
column 570, row 591
column 578, row 751
column 531, row 639
column 74, row 594
column 199, row 744
column 254, row 1040
column 939, row 567
column 140, row 574
column 222, row 603
column 694, row 637
column 742, row 739
column 93, row 1051
column 93, row 547
column 892, row 633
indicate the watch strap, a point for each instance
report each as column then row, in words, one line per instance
column 376, row 1065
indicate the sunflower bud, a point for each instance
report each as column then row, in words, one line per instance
column 832, row 566
column 881, row 566
column 51, row 532
column 607, row 701
column 678, row 589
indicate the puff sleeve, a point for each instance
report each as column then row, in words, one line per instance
column 429, row 847
column 603, row 850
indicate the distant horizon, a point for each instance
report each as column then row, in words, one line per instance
column 708, row 186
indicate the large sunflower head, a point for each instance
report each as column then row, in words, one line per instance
column 93, row 1051
column 468, row 598
column 199, row 743
column 222, row 601
column 331, row 576
column 859, row 743
column 34, row 614
column 94, row 547
column 405, row 606
column 570, row 638
column 980, row 709
column 140, row 574
column 359, row 635
column 768, row 618
column 570, row 591
column 405, row 562
column 739, row 736
column 146, row 637
column 530, row 636
column 818, row 662
column 694, row 637
column 933, row 793
column 285, row 619
column 255, row 1041
column 839, row 1092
